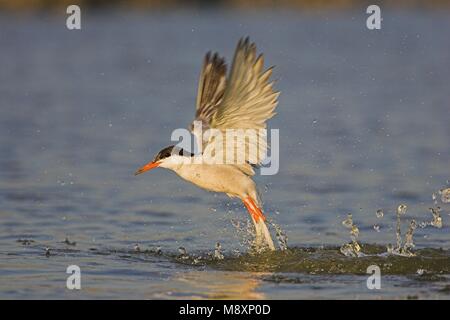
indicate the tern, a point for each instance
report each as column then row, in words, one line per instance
column 244, row 100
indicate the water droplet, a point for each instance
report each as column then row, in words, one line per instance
column 351, row 249
column 437, row 219
column 355, row 231
column 182, row 251
column 423, row 224
column 445, row 195
column 347, row 250
column 281, row 237
column 409, row 237
column 356, row 247
column 390, row 248
column 236, row 223
column 401, row 210
column 348, row 223
column 380, row 213
column 218, row 252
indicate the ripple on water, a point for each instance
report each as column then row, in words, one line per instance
column 304, row 260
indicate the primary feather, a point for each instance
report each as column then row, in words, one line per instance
column 210, row 88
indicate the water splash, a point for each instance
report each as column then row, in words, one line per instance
column 402, row 247
column 437, row 219
column 401, row 210
column 301, row 260
column 348, row 223
column 445, row 195
column 390, row 248
column 182, row 253
column 281, row 236
column 25, row 242
column 246, row 232
column 69, row 243
column 218, row 252
column 434, row 198
column 404, row 250
column 379, row 213
column 352, row 249
column 409, row 242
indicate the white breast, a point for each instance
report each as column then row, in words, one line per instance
column 217, row 178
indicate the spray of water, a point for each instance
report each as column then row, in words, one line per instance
column 245, row 231
column 409, row 243
column 380, row 213
column 401, row 210
column 183, row 253
column 247, row 234
column 445, row 195
column 405, row 249
column 281, row 236
column 352, row 249
column 437, row 219
column 218, row 252
column 404, row 246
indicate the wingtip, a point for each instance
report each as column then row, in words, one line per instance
column 207, row 57
column 244, row 42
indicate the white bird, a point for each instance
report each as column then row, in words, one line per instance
column 244, row 100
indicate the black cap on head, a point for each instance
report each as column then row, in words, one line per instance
column 164, row 153
column 169, row 151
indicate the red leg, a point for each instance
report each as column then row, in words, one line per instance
column 253, row 209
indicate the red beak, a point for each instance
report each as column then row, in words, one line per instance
column 148, row 166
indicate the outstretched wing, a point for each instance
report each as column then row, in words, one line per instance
column 211, row 88
column 248, row 102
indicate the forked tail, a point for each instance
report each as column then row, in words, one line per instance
column 263, row 239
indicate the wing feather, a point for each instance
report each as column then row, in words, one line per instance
column 246, row 100
column 211, row 87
